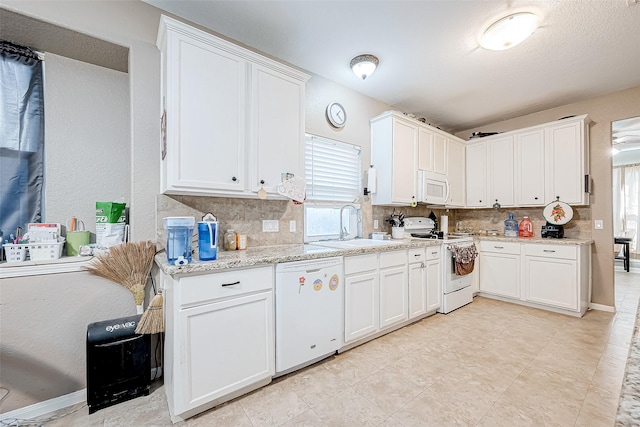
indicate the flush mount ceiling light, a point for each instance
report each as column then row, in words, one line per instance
column 364, row 65
column 509, row 31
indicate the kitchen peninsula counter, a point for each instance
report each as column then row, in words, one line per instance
column 265, row 255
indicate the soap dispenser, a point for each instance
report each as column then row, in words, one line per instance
column 511, row 227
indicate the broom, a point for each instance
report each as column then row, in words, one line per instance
column 152, row 321
column 129, row 265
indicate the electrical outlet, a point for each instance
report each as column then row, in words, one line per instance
column 375, row 224
column 598, row 224
column 270, row 226
column 292, row 226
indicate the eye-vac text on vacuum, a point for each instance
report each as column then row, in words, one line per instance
column 117, row 326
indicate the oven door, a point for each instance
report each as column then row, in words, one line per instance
column 453, row 282
column 434, row 188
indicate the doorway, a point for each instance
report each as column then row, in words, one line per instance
column 626, row 194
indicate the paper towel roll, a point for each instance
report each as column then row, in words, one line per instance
column 371, row 180
column 444, row 223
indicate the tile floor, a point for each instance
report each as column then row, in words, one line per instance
column 488, row 364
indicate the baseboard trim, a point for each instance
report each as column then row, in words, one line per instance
column 602, row 307
column 41, row 408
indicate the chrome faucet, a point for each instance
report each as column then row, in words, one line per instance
column 343, row 229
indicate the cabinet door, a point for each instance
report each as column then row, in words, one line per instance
column 434, row 284
column 455, row 172
column 440, row 154
column 393, row 296
column 224, row 347
column 565, row 160
column 417, row 289
column 500, row 274
column 476, row 156
column 361, row 310
column 551, row 282
column 500, row 155
column 529, row 164
column 425, row 150
column 404, row 162
column 277, row 132
column 205, row 101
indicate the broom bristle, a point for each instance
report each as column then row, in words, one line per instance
column 128, row 264
column 152, row 320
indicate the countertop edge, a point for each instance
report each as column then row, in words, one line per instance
column 268, row 255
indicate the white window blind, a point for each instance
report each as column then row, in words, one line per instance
column 332, row 169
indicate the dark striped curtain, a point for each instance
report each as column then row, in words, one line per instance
column 21, row 138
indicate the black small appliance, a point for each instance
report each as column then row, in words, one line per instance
column 552, row 231
column 118, row 362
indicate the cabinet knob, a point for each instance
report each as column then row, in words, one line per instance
column 535, row 198
column 262, row 181
column 480, row 201
column 234, row 179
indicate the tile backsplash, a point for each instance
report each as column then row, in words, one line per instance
column 246, row 215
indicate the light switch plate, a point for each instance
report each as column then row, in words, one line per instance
column 269, row 225
column 598, row 224
column 292, row 226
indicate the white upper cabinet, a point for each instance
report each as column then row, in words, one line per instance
column 224, row 104
column 500, row 178
column 456, row 172
column 476, row 156
column 426, row 157
column 529, row 172
column 278, row 127
column 568, row 161
column 533, row 166
column 440, row 153
column 394, row 148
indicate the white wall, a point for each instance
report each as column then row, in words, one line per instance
column 44, row 319
column 87, row 138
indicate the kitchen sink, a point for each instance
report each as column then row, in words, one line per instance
column 355, row 243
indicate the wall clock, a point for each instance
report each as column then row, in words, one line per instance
column 336, row 115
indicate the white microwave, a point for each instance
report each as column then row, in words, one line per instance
column 433, row 188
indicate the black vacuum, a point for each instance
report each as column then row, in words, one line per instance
column 118, row 362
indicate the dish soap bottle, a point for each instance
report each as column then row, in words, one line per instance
column 511, row 227
column 525, row 228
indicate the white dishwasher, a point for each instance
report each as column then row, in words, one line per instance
column 309, row 310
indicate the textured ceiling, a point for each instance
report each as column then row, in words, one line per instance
column 47, row 37
column 430, row 62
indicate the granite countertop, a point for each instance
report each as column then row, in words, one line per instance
column 535, row 240
column 266, row 255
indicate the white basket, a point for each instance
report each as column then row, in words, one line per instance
column 15, row 253
column 45, row 251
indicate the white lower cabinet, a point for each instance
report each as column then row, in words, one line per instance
column 434, row 278
column 417, row 283
column 545, row 275
column 500, row 268
column 361, row 299
column 361, row 305
column 219, row 340
column 551, row 276
column 394, row 288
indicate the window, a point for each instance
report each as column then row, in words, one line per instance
column 21, row 138
column 333, row 175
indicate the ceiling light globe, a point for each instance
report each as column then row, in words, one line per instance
column 509, row 31
column 364, row 65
